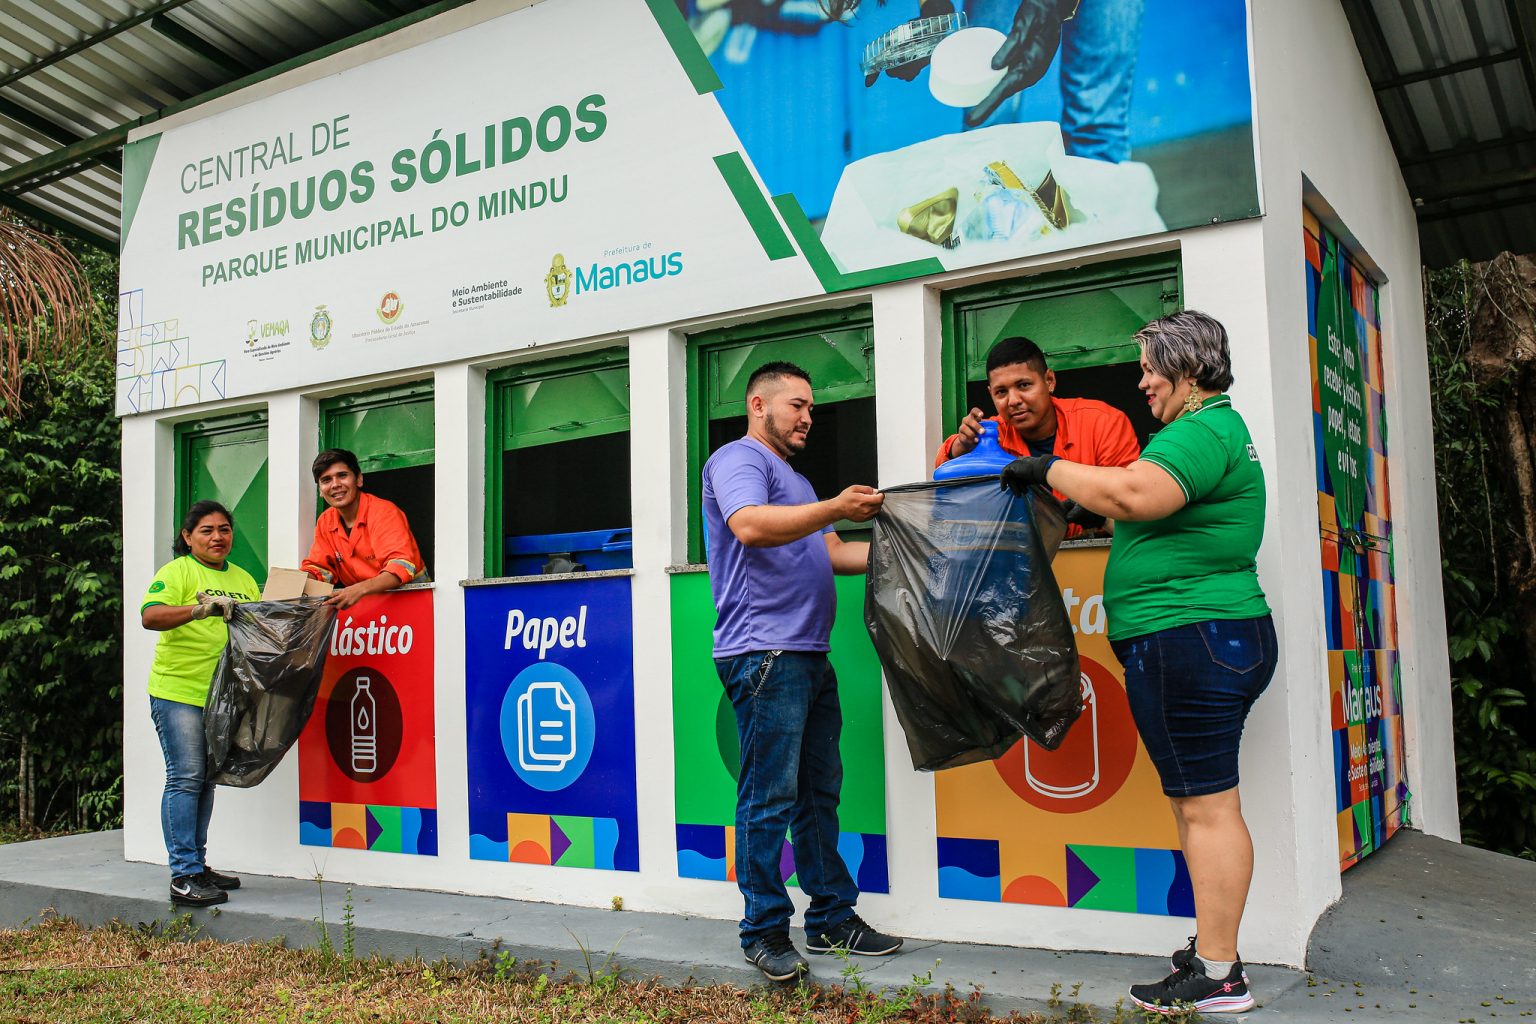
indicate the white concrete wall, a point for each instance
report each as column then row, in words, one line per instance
column 1249, row 275
column 1324, row 144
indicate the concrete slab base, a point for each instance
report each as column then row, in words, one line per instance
column 85, row 877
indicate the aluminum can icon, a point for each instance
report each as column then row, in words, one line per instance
column 1073, row 769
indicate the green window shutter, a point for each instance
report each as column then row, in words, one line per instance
column 225, row 460
column 533, row 404
column 836, row 349
column 392, row 428
column 1080, row 318
column 563, row 407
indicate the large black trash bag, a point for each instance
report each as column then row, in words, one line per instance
column 265, row 686
column 968, row 622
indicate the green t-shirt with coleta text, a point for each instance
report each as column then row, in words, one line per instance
column 186, row 656
column 1198, row 563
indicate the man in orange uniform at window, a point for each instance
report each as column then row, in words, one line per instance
column 1031, row 420
column 363, row 544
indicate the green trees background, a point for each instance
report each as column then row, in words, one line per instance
column 61, row 602
column 60, row 579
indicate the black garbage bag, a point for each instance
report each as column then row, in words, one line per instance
column 968, row 622
column 265, row 686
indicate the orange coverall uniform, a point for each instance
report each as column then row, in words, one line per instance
column 380, row 541
column 1088, row 431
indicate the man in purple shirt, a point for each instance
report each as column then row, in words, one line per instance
column 772, row 555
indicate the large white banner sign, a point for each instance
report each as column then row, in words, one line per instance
column 584, row 167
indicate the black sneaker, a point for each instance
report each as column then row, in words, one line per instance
column 219, row 880
column 1189, row 987
column 776, row 957
column 192, row 891
column 853, row 936
column 1182, row 958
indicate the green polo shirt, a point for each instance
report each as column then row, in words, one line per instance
column 186, row 656
column 1198, row 563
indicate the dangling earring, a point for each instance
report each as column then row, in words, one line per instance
column 1193, row 401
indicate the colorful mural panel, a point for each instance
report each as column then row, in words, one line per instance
column 707, row 752
column 550, row 710
column 1355, row 532
column 1083, row 826
column 368, row 757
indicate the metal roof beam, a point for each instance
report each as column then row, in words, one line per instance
column 1492, row 206
column 43, row 126
column 87, row 150
column 58, row 223
column 90, row 41
column 1469, row 148
column 1456, row 68
column 1476, row 185
column 189, row 40
column 83, row 152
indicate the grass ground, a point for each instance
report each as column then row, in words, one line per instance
column 59, row 972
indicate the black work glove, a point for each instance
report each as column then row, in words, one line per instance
column 1079, row 516
column 1026, row 53
column 1021, row 474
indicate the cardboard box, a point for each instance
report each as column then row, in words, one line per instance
column 288, row 584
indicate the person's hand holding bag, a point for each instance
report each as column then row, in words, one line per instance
column 211, row 604
column 1021, row 474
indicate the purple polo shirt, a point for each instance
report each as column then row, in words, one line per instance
column 769, row 599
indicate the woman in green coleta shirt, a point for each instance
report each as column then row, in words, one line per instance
column 188, row 602
column 1189, row 622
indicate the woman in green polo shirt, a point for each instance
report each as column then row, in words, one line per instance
column 1190, row 624
column 188, row 602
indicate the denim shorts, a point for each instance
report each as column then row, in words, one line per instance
column 1190, row 688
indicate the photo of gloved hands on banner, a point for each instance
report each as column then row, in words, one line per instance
column 973, row 131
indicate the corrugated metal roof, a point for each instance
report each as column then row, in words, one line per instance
column 1454, row 82
column 75, row 75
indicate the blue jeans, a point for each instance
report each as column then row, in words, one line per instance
column 187, row 803
column 1190, row 689
column 1098, row 70
column 789, row 721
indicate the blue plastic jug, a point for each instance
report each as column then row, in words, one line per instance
column 986, row 459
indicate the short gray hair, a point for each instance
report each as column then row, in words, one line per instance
column 1188, row 343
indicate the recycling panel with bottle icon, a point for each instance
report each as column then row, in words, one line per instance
column 368, row 758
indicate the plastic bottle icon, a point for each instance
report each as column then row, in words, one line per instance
column 365, row 729
column 1072, row 769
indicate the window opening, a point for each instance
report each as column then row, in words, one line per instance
column 837, row 349
column 225, row 460
column 393, row 433
column 559, row 467
column 1084, row 320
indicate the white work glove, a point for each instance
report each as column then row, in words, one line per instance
column 208, row 604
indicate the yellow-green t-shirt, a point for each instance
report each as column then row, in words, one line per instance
column 186, row 656
column 1199, row 563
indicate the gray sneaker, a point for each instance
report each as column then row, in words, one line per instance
column 192, row 891
column 854, row 936
column 776, row 957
